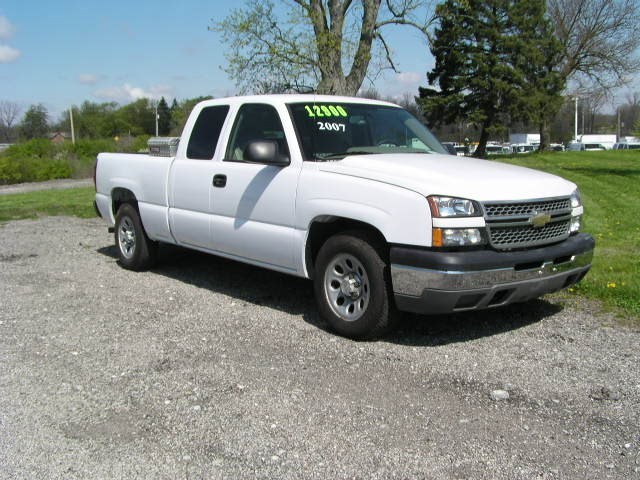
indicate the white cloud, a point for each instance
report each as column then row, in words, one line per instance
column 89, row 78
column 8, row 54
column 128, row 93
column 400, row 84
column 6, row 28
column 409, row 78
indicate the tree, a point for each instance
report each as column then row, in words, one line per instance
column 97, row 120
column 164, row 117
column 538, row 59
column 173, row 111
column 493, row 64
column 180, row 113
column 139, row 117
column 599, row 38
column 9, row 113
column 35, row 122
column 629, row 114
column 328, row 45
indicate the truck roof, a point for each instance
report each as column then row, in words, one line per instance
column 294, row 98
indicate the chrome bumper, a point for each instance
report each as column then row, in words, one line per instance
column 412, row 281
column 429, row 282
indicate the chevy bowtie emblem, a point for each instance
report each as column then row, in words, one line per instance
column 539, row 219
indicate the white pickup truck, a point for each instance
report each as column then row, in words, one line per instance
column 356, row 195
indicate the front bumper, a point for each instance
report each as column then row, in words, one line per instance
column 430, row 282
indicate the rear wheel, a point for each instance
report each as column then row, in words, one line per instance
column 352, row 286
column 135, row 250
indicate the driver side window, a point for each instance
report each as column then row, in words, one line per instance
column 255, row 122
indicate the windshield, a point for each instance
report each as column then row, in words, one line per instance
column 331, row 131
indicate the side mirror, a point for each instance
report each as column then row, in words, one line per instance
column 266, row 152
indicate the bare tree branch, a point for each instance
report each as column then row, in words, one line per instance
column 387, row 50
column 9, row 113
column 600, row 40
column 319, row 39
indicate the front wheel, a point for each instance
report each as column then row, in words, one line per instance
column 352, row 286
column 135, row 250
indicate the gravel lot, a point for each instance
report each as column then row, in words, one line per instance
column 205, row 368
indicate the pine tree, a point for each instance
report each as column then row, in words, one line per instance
column 539, row 60
column 493, row 65
column 164, row 117
column 35, row 122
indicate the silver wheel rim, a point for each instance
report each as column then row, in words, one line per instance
column 346, row 287
column 127, row 237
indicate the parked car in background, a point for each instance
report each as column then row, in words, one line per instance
column 462, row 150
column 603, row 141
column 581, row 147
column 627, row 146
column 593, row 147
column 523, row 148
column 450, row 147
column 497, row 149
column 557, row 147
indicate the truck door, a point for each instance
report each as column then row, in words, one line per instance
column 253, row 204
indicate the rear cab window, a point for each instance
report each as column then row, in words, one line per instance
column 206, row 132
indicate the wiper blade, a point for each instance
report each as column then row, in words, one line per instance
column 368, row 151
column 341, row 155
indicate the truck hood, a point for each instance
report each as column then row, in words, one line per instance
column 436, row 174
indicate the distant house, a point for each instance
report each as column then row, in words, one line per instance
column 59, row 137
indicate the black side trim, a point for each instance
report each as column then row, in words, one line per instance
column 488, row 259
column 95, row 207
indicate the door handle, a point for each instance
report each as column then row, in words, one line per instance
column 219, row 181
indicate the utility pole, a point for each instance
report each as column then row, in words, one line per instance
column 73, row 133
column 575, row 134
column 156, row 109
column 618, row 131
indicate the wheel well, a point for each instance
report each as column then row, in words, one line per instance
column 322, row 228
column 120, row 196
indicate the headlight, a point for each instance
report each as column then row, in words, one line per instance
column 444, row 207
column 576, row 201
column 456, row 237
column 575, row 224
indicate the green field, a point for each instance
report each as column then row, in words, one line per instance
column 610, row 187
column 74, row 201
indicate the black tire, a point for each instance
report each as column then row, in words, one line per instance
column 352, row 286
column 135, row 250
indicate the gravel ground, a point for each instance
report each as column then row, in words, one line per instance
column 206, row 368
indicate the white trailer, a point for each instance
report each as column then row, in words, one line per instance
column 524, row 138
column 605, row 140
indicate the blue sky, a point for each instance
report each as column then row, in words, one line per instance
column 64, row 52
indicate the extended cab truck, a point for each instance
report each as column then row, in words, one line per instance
column 356, row 195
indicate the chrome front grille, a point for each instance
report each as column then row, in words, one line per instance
column 528, row 236
column 527, row 208
column 517, row 224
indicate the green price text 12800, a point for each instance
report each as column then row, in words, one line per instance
column 325, row 111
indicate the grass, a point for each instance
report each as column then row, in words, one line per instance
column 74, row 201
column 609, row 183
